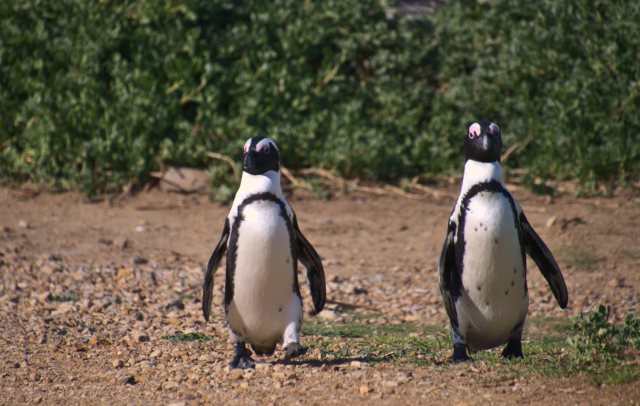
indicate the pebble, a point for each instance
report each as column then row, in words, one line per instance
column 208, row 358
column 121, row 242
column 365, row 389
column 177, row 404
column 235, row 374
column 136, row 260
column 23, row 224
column 328, row 315
column 117, row 363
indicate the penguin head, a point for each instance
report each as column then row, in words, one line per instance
column 260, row 156
column 483, row 142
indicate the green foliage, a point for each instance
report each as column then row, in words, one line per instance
column 96, row 93
column 597, row 338
column 188, row 337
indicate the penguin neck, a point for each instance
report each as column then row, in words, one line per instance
column 252, row 184
column 478, row 172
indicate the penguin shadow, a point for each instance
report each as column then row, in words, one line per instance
column 336, row 362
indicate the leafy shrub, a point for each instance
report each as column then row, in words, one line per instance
column 598, row 338
column 96, row 93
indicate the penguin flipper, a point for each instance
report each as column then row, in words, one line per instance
column 315, row 271
column 212, row 267
column 542, row 256
column 448, row 276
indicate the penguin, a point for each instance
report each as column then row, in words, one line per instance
column 263, row 243
column 482, row 268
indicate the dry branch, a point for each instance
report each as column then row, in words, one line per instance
column 230, row 161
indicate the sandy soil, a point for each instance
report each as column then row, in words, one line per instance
column 133, row 268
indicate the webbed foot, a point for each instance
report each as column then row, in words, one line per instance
column 295, row 350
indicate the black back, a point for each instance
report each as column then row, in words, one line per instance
column 483, row 142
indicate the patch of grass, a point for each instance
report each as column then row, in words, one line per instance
column 176, row 338
column 71, row 297
column 603, row 352
column 186, row 296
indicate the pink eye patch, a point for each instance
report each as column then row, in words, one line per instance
column 474, row 130
column 494, row 129
column 265, row 145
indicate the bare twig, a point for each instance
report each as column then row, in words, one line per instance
column 230, row 161
column 296, row 182
column 328, row 175
column 435, row 193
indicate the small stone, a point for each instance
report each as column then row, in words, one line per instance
column 263, row 366
column 290, row 375
column 195, row 344
column 5, row 229
column 329, row 315
column 176, row 305
column 389, row 383
column 400, row 227
column 140, row 229
column 358, row 364
column 93, row 341
column 23, row 224
column 173, row 321
column 136, row 260
column 118, row 363
column 365, row 389
column 129, row 380
column 551, row 221
column 155, row 354
column 121, row 242
column 235, row 374
column 616, row 282
column 208, row 358
column 177, row 404
column 140, row 336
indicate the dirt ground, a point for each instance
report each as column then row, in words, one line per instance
column 88, row 290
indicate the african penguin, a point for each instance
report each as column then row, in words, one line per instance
column 482, row 268
column 263, row 244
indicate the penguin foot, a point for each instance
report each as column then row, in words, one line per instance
column 460, row 353
column 242, row 362
column 295, row 350
column 513, row 350
column 242, row 357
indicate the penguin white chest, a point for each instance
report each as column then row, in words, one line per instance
column 494, row 298
column 264, row 300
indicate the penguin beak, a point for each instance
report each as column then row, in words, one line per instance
column 487, row 142
column 250, row 160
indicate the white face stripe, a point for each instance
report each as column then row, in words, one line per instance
column 247, row 145
column 264, row 143
column 494, row 129
column 474, row 130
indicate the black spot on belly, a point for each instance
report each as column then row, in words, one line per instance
column 476, row 229
column 496, row 240
column 245, row 330
column 506, row 292
column 479, row 288
column 512, row 283
column 485, row 228
column 469, row 326
column 514, row 270
column 467, row 290
column 487, row 303
column 280, row 309
column 480, row 224
column 287, row 260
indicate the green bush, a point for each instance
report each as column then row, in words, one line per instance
column 96, row 93
column 596, row 337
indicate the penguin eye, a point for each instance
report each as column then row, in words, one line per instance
column 472, row 135
column 266, row 149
